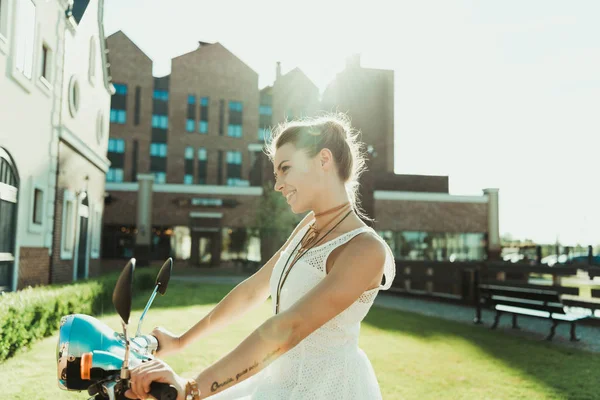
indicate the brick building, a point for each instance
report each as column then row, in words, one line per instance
column 54, row 110
column 199, row 132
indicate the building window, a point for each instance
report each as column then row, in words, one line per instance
column 68, row 225
column 114, row 175
column 99, row 128
column 74, row 96
column 265, row 110
column 435, row 246
column 188, row 179
column 118, row 116
column 234, row 128
column 160, row 121
column 96, row 233
column 161, row 95
column 263, row 133
column 92, row 69
column 118, row 103
column 158, row 149
column 203, row 126
column 202, row 166
column 136, row 106
column 234, row 167
column 189, row 153
column 191, row 99
column 190, row 125
column 116, row 145
column 3, row 21
column 234, row 131
column 160, row 177
column 38, row 206
column 45, row 63
column 221, row 116
column 25, row 27
column 120, row 88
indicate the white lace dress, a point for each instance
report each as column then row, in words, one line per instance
column 328, row 364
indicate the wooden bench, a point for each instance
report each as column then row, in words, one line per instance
column 529, row 300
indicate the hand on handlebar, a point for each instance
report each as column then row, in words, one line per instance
column 144, row 375
column 168, row 343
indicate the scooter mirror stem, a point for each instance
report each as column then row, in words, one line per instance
column 139, row 328
column 125, row 366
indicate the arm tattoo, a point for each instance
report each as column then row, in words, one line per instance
column 216, row 385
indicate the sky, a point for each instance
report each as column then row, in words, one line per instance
column 501, row 94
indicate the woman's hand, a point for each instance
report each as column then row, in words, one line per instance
column 153, row 371
column 168, row 343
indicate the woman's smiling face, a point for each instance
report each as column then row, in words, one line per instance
column 298, row 177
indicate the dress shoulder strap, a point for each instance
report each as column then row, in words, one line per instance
column 321, row 253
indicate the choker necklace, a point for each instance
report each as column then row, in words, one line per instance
column 297, row 257
column 313, row 233
column 331, row 210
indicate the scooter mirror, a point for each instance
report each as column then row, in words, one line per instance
column 162, row 280
column 123, row 293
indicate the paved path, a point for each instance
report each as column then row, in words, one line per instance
column 534, row 328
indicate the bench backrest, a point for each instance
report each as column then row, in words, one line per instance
column 536, row 298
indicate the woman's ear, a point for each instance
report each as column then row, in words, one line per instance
column 326, row 158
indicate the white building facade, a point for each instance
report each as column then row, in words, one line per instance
column 54, row 103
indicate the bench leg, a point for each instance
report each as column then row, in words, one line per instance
column 552, row 330
column 574, row 337
column 496, row 319
column 515, row 325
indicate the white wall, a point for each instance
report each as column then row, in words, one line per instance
column 94, row 97
column 33, row 114
column 25, row 114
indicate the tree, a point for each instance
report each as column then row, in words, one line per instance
column 275, row 221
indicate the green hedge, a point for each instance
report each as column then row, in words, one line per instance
column 34, row 313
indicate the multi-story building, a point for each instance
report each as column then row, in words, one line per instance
column 54, row 102
column 199, row 134
column 415, row 214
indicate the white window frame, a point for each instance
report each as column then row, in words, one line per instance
column 96, row 233
column 5, row 25
column 18, row 76
column 45, row 84
column 33, row 227
column 67, row 253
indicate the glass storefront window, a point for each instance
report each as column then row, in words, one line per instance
column 435, row 246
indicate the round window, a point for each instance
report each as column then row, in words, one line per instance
column 74, row 96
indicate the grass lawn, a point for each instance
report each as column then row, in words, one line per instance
column 415, row 357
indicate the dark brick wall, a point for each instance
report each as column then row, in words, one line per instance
column 129, row 65
column 412, row 183
column 34, row 266
column 166, row 211
column 75, row 173
column 367, row 96
column 430, row 216
column 296, row 92
column 211, row 71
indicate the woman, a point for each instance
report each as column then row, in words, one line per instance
column 322, row 281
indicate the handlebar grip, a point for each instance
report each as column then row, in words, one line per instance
column 163, row 391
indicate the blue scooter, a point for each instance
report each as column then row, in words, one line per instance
column 90, row 355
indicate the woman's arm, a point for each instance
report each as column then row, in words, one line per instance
column 245, row 296
column 358, row 268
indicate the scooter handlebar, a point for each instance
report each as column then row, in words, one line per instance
column 163, row 391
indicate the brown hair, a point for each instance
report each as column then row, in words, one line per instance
column 331, row 131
